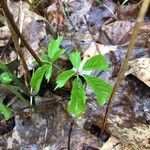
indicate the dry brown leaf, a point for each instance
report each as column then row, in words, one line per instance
column 92, row 50
column 141, row 69
column 56, row 15
column 119, row 32
column 78, row 10
column 4, row 33
column 125, row 12
column 98, row 15
column 116, row 33
column 112, row 143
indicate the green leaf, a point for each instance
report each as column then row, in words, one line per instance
column 98, row 1
column 48, row 72
column 53, row 47
column 97, row 62
column 63, row 78
column 101, row 88
column 17, row 94
column 124, row 2
column 3, row 66
column 75, row 59
column 38, row 77
column 7, row 112
column 44, row 57
column 14, row 78
column 57, row 54
column 6, row 78
column 77, row 102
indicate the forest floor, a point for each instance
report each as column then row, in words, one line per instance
column 92, row 27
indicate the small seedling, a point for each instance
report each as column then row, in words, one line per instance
column 48, row 59
column 101, row 88
column 81, row 69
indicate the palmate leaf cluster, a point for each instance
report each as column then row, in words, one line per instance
column 77, row 103
column 54, row 52
column 101, row 88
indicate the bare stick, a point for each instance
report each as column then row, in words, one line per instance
column 15, row 28
column 132, row 42
column 20, row 53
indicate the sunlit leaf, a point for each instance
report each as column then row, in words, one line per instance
column 44, row 57
column 63, row 78
column 77, row 102
column 97, row 62
column 48, row 72
column 75, row 59
column 37, row 78
column 53, row 46
column 101, row 88
column 57, row 54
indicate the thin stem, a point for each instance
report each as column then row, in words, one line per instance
column 57, row 67
column 19, row 52
column 15, row 28
column 69, row 136
column 138, row 23
column 50, row 62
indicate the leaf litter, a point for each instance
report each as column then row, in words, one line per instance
column 111, row 25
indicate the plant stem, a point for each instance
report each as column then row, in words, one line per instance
column 20, row 53
column 15, row 28
column 69, row 136
column 57, row 67
column 132, row 42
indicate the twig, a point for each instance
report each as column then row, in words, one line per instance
column 15, row 28
column 6, row 47
column 110, row 11
column 21, row 18
column 69, row 136
column 20, row 53
column 66, row 13
column 132, row 42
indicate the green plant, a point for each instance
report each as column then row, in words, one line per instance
column 6, row 111
column 98, row 1
column 81, row 70
column 48, row 59
column 7, row 78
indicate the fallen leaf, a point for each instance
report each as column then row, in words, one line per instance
column 126, row 12
column 112, row 143
column 56, row 15
column 116, row 33
column 95, row 48
column 141, row 69
column 119, row 32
